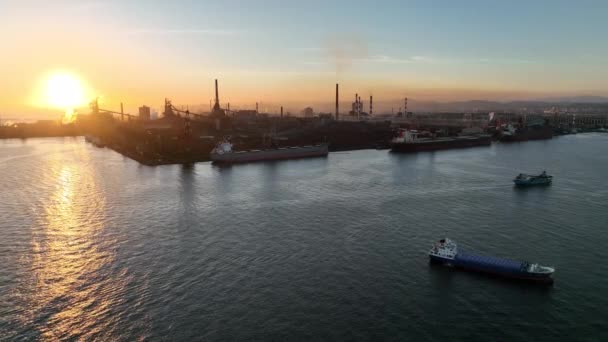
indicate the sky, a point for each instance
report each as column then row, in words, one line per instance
column 292, row 53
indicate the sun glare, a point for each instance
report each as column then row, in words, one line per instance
column 64, row 91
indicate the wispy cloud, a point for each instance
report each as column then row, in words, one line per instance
column 503, row 61
column 444, row 60
column 166, row 31
column 307, row 49
column 379, row 59
column 404, row 60
column 314, row 63
column 345, row 57
column 88, row 6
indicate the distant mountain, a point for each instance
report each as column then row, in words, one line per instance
column 582, row 103
column 576, row 99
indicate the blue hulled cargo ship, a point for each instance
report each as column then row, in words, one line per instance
column 445, row 251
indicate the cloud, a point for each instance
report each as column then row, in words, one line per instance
column 344, row 60
column 342, row 50
column 89, row 6
column 165, row 31
column 504, row 61
column 307, row 49
column 407, row 60
column 435, row 60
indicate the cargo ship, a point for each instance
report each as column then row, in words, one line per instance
column 224, row 153
column 407, row 141
column 512, row 134
column 445, row 251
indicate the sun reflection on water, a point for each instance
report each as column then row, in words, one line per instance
column 72, row 288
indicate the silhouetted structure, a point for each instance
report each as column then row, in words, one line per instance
column 217, row 111
column 144, row 113
column 337, row 104
column 308, row 112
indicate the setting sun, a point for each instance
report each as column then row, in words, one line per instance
column 64, row 91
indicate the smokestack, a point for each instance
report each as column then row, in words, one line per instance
column 370, row 104
column 281, row 111
column 256, row 108
column 217, row 96
column 122, row 113
column 337, row 107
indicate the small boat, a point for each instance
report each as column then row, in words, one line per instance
column 445, row 252
column 529, row 180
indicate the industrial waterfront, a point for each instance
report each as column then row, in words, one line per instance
column 181, row 136
column 98, row 246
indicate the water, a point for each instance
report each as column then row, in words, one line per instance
column 96, row 246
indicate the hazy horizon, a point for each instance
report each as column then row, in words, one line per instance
column 293, row 53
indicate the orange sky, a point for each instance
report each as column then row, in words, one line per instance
column 135, row 53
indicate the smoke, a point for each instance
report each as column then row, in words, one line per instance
column 342, row 50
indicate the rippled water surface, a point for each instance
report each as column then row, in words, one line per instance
column 95, row 246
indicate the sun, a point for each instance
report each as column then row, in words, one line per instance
column 64, row 91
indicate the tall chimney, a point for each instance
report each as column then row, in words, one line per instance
column 370, row 105
column 281, row 111
column 122, row 113
column 337, row 107
column 256, row 108
column 217, row 96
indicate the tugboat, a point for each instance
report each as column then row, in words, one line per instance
column 529, row 180
column 223, row 153
column 445, row 251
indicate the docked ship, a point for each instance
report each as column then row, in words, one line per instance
column 525, row 133
column 530, row 180
column 224, row 153
column 445, row 251
column 407, row 141
column 94, row 140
